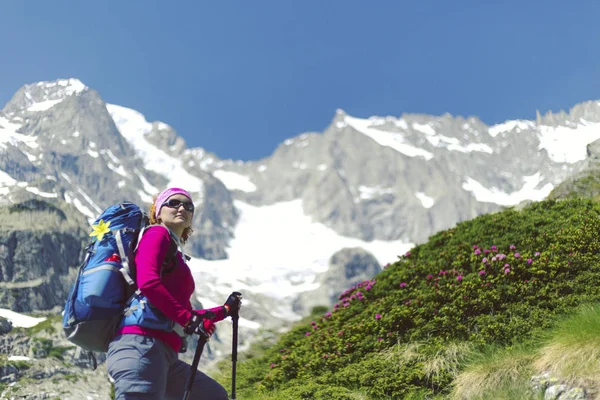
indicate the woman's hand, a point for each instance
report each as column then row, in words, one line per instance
column 233, row 303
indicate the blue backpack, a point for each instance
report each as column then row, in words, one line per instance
column 106, row 279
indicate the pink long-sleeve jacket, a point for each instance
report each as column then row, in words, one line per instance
column 170, row 294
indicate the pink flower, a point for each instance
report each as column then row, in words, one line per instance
column 484, row 260
column 407, row 254
column 379, row 339
column 506, row 270
column 517, row 255
column 477, row 252
column 307, row 334
column 501, row 256
column 494, row 259
column 529, row 261
column 482, row 272
column 537, row 254
column 486, row 251
column 512, row 247
column 429, row 276
column 403, row 284
column 475, row 246
column 273, row 365
column 459, row 278
column 377, row 316
column 506, row 265
column 494, row 248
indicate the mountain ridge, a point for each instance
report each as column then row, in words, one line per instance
column 378, row 183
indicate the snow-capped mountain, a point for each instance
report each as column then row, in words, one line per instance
column 269, row 227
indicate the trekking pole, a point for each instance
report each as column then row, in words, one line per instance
column 234, row 316
column 202, row 339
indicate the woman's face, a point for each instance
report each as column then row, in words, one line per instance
column 174, row 215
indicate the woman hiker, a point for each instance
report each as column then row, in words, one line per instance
column 143, row 357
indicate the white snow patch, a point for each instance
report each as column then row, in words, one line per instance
column 66, row 177
column 76, row 134
column 43, row 105
column 146, row 198
column 235, row 181
column 291, row 251
column 393, row 140
column 118, row 169
column 18, row 358
column 262, row 168
column 366, row 192
column 71, row 199
column 322, row 167
column 568, row 145
column 517, row 125
column 110, row 155
column 299, row 165
column 32, row 159
column 133, row 126
column 8, row 134
column 20, row 320
column 92, row 153
column 400, row 123
column 453, row 144
column 71, row 86
column 37, row 191
column 148, row 188
column 161, row 126
column 89, row 200
column 427, row 201
column 424, row 128
column 6, row 179
column 529, row 191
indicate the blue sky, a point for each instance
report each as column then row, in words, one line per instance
column 239, row 77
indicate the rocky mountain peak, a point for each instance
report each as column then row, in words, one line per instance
column 164, row 137
column 44, row 95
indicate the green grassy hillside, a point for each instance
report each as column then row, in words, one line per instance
column 489, row 287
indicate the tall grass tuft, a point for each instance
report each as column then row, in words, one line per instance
column 572, row 354
column 496, row 373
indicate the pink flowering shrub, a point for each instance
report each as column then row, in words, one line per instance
column 492, row 280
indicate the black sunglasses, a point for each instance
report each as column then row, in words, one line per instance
column 174, row 203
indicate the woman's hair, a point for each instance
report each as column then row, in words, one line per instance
column 154, row 221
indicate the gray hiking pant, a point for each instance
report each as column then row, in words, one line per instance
column 145, row 368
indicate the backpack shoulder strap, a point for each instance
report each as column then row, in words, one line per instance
column 167, row 266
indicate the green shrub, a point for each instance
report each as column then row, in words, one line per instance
column 493, row 280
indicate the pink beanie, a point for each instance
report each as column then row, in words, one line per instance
column 164, row 196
